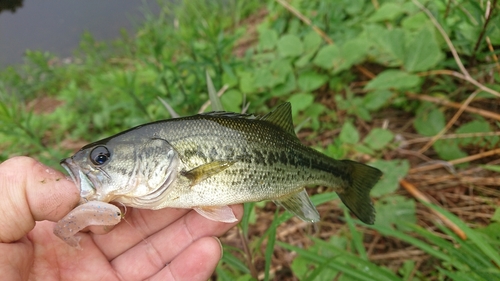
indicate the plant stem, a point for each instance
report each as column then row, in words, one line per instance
column 248, row 254
column 489, row 12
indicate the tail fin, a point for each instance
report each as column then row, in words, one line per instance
column 357, row 196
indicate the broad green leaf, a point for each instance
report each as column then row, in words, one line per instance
column 354, row 7
column 388, row 11
column 429, row 121
column 246, row 82
column 300, row 102
column 304, row 60
column 263, row 77
column 285, row 88
column 378, row 138
column 268, row 38
column 415, row 22
column 393, row 79
column 328, row 57
column 349, row 134
column 312, row 41
column 423, row 52
column 394, row 171
column 280, row 69
column 290, row 46
column 313, row 112
column 229, row 78
column 394, row 209
column 376, row 99
column 353, row 51
column 394, row 43
column 476, row 126
column 495, row 31
column 311, row 80
column 448, row 149
column 231, row 100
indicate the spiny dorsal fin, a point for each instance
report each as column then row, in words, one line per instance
column 281, row 117
column 229, row 114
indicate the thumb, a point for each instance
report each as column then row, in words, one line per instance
column 29, row 192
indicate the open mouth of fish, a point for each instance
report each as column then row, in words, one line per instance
column 87, row 188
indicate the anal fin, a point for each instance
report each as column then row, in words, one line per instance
column 300, row 205
column 217, row 213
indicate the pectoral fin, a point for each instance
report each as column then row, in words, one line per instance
column 217, row 213
column 205, row 171
column 300, row 205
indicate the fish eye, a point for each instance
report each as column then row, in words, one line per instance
column 100, row 155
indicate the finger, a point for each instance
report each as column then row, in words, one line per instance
column 137, row 225
column 31, row 192
column 197, row 262
column 165, row 245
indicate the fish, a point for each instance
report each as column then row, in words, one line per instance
column 209, row 161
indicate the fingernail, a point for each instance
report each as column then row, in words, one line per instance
column 220, row 245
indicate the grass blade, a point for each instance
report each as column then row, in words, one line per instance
column 357, row 236
column 248, row 208
column 270, row 247
column 412, row 240
column 212, row 93
column 234, row 262
column 474, row 236
column 339, row 264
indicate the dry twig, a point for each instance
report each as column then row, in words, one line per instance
column 450, row 123
column 305, row 20
column 482, row 112
column 452, row 136
column 456, row 161
column 413, row 190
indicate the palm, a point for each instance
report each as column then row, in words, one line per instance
column 168, row 244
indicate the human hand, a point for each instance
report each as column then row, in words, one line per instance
column 167, row 244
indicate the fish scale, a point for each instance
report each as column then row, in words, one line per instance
column 209, row 161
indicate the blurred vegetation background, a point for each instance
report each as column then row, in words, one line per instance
column 409, row 86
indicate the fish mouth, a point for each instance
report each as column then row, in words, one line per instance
column 82, row 181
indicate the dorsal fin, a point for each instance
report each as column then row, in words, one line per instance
column 281, row 117
column 229, row 114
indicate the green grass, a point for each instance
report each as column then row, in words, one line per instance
column 386, row 56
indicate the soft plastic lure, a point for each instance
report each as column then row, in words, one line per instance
column 87, row 214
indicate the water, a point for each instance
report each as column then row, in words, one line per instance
column 56, row 26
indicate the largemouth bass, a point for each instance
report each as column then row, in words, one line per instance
column 209, row 161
